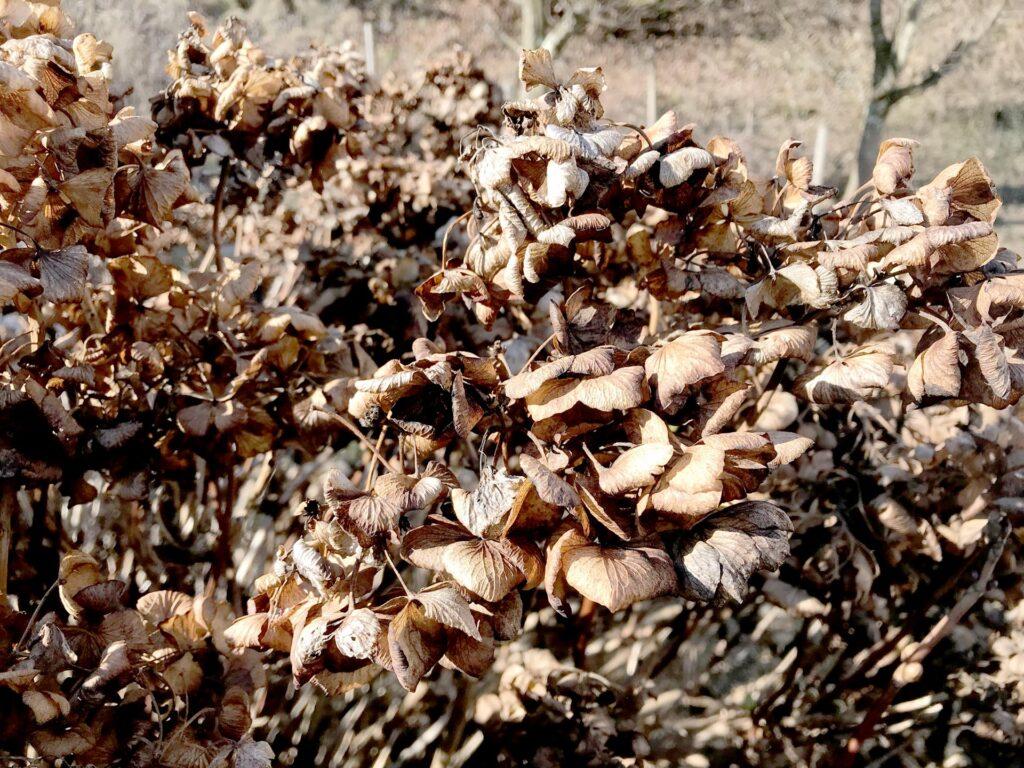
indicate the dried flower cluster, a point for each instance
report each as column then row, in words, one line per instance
column 112, row 677
column 229, row 99
column 514, row 379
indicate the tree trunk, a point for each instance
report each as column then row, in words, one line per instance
column 532, row 23
column 867, row 148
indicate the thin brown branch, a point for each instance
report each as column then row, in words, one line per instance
column 949, row 62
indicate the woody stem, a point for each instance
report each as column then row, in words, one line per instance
column 8, row 506
column 394, row 569
column 218, row 206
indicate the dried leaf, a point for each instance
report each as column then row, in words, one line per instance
column 416, row 644
column 683, row 363
column 881, row 309
column 935, row 372
column 716, row 560
column 861, row 375
column 634, row 469
column 618, row 577
column 446, row 606
column 894, row 166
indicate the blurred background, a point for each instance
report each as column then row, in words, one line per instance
column 836, row 74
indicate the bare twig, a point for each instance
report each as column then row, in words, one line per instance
column 998, row 530
column 365, row 441
column 394, row 569
column 447, row 232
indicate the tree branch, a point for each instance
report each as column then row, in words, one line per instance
column 904, row 33
column 493, row 25
column 559, row 35
column 949, row 62
column 881, row 44
column 877, row 29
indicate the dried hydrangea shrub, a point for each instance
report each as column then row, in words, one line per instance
column 637, row 441
column 644, row 373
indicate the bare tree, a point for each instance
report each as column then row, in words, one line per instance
column 544, row 24
column 891, row 81
column 539, row 28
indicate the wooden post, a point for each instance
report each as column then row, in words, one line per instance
column 369, row 49
column 652, row 91
column 820, row 157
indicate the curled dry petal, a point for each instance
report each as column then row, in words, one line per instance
column 796, row 283
column 370, row 517
column 677, row 167
column 903, row 211
column 634, row 469
column 63, row 273
column 789, row 446
column 882, row 308
column 692, row 487
column 795, row 342
column 483, row 510
column 550, row 487
column 565, row 180
column 990, row 361
column 683, row 363
column 780, row 228
column 313, row 566
column 483, row 567
column 536, row 68
column 957, row 248
column 641, row 164
column 425, row 546
column 617, row 577
column 894, row 166
column 599, row 361
column 158, row 606
column 415, row 642
column 446, row 606
column 963, row 187
column 853, row 257
column 358, row 633
column 861, row 375
column 935, row 372
column 618, row 391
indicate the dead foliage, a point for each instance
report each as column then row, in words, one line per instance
column 512, row 380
